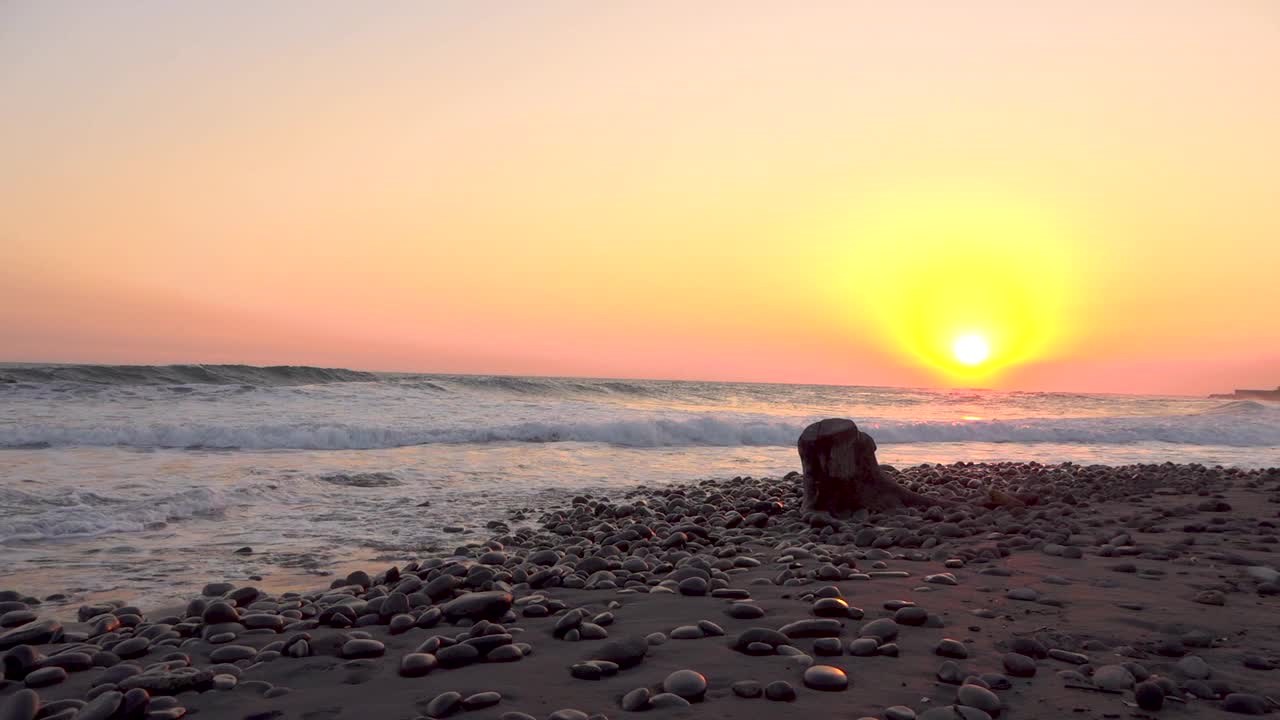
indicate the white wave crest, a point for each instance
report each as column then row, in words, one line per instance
column 74, row 516
column 704, row 430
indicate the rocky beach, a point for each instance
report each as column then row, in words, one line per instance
column 1092, row 592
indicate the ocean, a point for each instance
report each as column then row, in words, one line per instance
column 141, row 483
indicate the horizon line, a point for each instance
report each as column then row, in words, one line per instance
column 38, row 363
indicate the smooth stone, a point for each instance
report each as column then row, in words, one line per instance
column 978, row 697
column 456, row 656
column 1194, row 666
column 693, row 586
column 1245, row 704
column 828, row 646
column 780, row 690
column 913, row 615
column 627, row 652
column 831, row 607
column 22, row 705
column 899, row 712
column 884, row 629
column 747, row 689
column 101, row 707
column 1149, row 696
column 36, row 633
column 362, row 648
column 688, row 684
column 948, row 647
column 667, row 700
column 744, row 611
column 481, row 700
column 219, row 612
column 636, row 700
column 863, row 647
column 444, row 704
column 825, row 677
column 1019, row 665
column 812, row 627
column 232, row 653
column 45, row 677
column 766, row 636
column 1113, row 677
column 951, row 673
column 505, row 653
column 417, row 664
column 488, row 605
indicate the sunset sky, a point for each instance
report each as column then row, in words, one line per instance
column 791, row 192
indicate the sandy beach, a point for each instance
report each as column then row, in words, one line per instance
column 1123, row 591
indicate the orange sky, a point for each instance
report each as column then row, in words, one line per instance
column 825, row 192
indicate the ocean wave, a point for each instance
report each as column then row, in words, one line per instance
column 362, row 480
column 705, row 430
column 79, row 515
column 1237, row 407
column 249, row 375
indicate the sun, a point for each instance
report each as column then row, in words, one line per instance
column 971, row 349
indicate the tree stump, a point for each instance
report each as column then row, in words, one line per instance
column 841, row 475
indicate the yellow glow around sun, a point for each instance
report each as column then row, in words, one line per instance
column 966, row 283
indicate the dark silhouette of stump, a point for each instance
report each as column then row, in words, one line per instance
column 841, row 474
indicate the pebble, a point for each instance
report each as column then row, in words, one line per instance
column 825, row 677
column 780, row 690
column 417, row 664
column 489, row 605
column 688, row 684
column 667, row 700
column 101, row 707
column 481, row 700
column 1019, row 665
column 626, row 653
column 1149, row 696
column 636, row 700
column 911, row 615
column 444, row 704
column 1113, row 677
column 883, row 629
column 362, row 648
column 978, row 697
column 746, row 689
column 45, row 677
column 22, row 705
column 1245, row 704
column 948, row 647
column 744, row 611
column 456, row 656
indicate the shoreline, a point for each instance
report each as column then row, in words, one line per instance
column 1117, row 575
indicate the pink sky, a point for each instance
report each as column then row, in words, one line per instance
column 811, row 193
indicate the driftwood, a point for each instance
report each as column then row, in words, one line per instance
column 841, row 475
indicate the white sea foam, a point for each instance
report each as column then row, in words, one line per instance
column 1247, row 430
column 86, row 515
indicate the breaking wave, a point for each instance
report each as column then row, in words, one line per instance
column 703, row 430
column 78, row 515
column 362, row 480
column 181, row 375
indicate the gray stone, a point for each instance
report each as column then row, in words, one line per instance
column 825, row 677
column 688, row 684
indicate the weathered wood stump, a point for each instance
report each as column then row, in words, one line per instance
column 841, row 475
